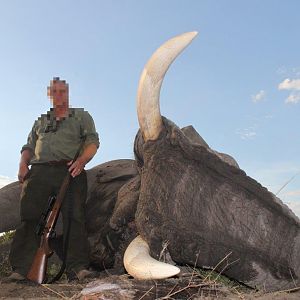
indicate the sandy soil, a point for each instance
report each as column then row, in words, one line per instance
column 110, row 285
column 123, row 287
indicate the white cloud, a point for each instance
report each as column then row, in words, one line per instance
column 4, row 180
column 247, row 133
column 283, row 70
column 269, row 116
column 293, row 99
column 293, row 86
column 289, row 84
column 259, row 96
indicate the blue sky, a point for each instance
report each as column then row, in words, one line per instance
column 238, row 83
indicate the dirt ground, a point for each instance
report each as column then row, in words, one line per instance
column 110, row 285
column 123, row 287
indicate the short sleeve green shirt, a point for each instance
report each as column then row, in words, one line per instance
column 53, row 140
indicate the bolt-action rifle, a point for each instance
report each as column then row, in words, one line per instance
column 46, row 228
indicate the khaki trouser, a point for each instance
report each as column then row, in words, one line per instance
column 42, row 182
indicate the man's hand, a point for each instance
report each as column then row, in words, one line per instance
column 23, row 166
column 76, row 167
column 23, row 171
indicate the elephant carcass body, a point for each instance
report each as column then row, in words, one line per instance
column 115, row 183
column 10, row 206
column 108, row 185
column 212, row 214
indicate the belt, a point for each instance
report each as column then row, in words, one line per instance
column 62, row 162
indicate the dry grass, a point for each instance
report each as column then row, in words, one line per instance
column 5, row 241
column 192, row 283
column 196, row 283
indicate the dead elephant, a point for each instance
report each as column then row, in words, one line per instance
column 208, row 210
column 196, row 200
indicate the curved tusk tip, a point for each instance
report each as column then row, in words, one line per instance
column 188, row 35
column 192, row 33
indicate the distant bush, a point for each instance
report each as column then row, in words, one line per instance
column 5, row 240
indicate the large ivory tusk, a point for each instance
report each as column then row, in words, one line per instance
column 140, row 265
column 151, row 80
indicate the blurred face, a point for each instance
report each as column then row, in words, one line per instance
column 58, row 92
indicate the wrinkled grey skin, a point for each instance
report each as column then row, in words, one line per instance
column 181, row 191
column 9, row 206
column 209, row 209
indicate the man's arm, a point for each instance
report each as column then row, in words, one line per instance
column 77, row 166
column 91, row 145
column 26, row 156
column 27, row 153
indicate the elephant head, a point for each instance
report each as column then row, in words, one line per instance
column 208, row 210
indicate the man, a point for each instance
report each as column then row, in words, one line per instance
column 52, row 144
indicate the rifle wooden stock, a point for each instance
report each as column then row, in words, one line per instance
column 37, row 272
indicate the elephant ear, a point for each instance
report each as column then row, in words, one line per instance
column 9, row 206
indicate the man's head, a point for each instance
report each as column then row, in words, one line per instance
column 58, row 92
